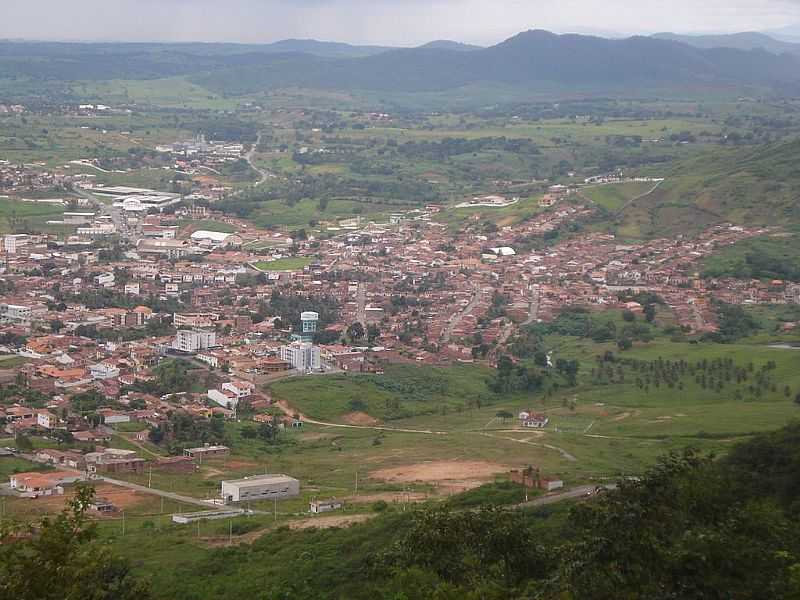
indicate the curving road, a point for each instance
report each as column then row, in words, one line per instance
column 249, row 158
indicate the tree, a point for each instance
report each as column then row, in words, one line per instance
column 650, row 312
column 504, row 414
column 62, row 436
column 61, row 559
column 373, row 333
column 56, row 325
column 356, row 331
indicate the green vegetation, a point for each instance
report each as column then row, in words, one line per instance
column 10, row 465
column 613, row 197
column 284, row 264
column 401, row 392
column 768, row 257
column 61, row 558
column 27, row 217
column 500, row 493
column 208, row 225
column 721, row 185
column 683, row 517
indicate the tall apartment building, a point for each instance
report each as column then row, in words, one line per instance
column 13, row 244
column 302, row 356
column 193, row 341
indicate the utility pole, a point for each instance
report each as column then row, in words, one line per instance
column 150, row 476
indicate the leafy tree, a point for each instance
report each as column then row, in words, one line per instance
column 356, row 331
column 60, row 559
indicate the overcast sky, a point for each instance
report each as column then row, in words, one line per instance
column 398, row 22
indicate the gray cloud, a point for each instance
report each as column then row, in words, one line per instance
column 403, row 22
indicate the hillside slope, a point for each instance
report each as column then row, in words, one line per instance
column 754, row 185
column 527, row 59
column 748, row 40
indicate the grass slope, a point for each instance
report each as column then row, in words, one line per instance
column 749, row 186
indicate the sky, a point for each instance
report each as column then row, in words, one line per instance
column 390, row 22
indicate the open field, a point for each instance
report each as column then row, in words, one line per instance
column 208, row 225
column 18, row 216
column 768, row 257
column 614, row 196
column 284, row 264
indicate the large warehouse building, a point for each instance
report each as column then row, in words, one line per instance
column 260, row 487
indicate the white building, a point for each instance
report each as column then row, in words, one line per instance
column 12, row 244
column 260, row 487
column 103, row 371
column 105, row 280
column 231, row 393
column 15, row 314
column 302, row 356
column 46, row 419
column 193, row 340
column 323, row 506
column 210, row 238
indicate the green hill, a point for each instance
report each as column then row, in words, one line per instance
column 749, row 186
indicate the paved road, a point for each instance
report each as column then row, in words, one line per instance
column 249, row 158
column 361, row 300
column 583, row 491
column 156, row 492
column 533, row 310
column 448, row 331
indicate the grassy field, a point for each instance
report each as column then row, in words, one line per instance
column 502, row 217
column 284, row 264
column 767, row 257
column 173, row 92
column 402, row 392
column 28, row 216
column 613, row 197
column 208, row 225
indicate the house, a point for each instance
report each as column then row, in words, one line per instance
column 207, row 451
column 91, row 436
column 33, row 485
column 114, row 461
column 46, row 419
column 69, row 459
column 112, row 417
column 533, row 420
column 531, row 477
column 176, row 464
column 102, row 505
column 323, row 506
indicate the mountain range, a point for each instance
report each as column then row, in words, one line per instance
column 528, row 60
column 748, row 40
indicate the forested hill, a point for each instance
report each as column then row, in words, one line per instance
column 528, row 59
column 748, row 40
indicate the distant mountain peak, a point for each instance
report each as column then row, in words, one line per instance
column 450, row 45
